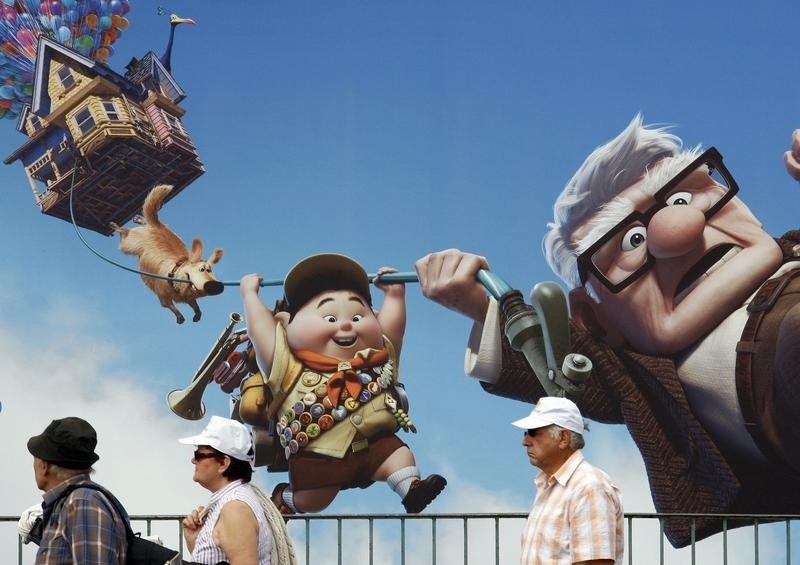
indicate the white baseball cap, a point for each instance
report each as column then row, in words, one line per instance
column 553, row 410
column 226, row 436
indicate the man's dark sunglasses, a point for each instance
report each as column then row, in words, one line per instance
column 586, row 260
column 200, row 455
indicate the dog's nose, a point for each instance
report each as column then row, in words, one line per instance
column 213, row 287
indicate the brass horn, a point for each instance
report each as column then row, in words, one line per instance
column 188, row 402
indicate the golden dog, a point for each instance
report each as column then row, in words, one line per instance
column 162, row 252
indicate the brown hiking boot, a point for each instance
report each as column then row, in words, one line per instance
column 422, row 492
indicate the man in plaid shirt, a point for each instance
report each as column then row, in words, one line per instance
column 577, row 515
column 83, row 528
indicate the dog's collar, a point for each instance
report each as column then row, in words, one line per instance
column 173, row 271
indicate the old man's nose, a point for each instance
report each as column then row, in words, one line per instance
column 675, row 230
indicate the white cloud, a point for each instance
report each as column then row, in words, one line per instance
column 63, row 371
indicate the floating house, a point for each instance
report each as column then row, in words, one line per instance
column 105, row 137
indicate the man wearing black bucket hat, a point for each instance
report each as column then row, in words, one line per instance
column 84, row 526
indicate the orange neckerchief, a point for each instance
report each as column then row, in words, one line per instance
column 345, row 375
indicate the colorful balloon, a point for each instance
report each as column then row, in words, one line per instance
column 63, row 34
column 101, row 54
column 87, row 26
column 85, row 42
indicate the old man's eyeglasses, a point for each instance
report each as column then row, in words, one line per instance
column 621, row 256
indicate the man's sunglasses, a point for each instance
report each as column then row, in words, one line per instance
column 200, row 455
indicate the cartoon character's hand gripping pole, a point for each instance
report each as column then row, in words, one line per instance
column 541, row 334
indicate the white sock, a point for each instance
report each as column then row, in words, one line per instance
column 400, row 481
column 288, row 499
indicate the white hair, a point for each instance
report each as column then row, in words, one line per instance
column 606, row 172
column 63, row 473
column 576, row 440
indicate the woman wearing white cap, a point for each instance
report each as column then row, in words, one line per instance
column 234, row 527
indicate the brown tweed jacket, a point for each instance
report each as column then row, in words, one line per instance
column 687, row 472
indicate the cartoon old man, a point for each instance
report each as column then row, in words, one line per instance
column 690, row 312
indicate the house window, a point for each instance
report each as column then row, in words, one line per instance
column 65, row 78
column 111, row 110
column 174, row 123
column 84, row 120
column 36, row 123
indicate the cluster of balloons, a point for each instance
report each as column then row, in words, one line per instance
column 89, row 27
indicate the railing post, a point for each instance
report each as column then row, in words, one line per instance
column 402, row 541
column 308, row 541
column 371, row 549
column 629, row 527
column 724, row 541
column 755, row 541
column 788, row 542
column 466, row 542
column 496, row 540
column 339, row 539
column 433, row 541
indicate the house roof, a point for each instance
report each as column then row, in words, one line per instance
column 150, row 67
column 132, row 84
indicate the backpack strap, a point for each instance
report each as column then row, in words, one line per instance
column 110, row 497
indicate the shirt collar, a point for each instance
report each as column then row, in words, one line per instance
column 564, row 472
column 52, row 495
column 224, row 490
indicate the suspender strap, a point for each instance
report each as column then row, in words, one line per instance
column 755, row 355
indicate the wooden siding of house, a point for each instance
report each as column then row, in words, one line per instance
column 30, row 130
column 58, row 94
column 167, row 135
column 103, row 126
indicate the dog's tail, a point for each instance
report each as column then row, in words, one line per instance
column 153, row 203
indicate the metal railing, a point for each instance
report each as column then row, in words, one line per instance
column 486, row 538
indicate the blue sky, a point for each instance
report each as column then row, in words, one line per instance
column 383, row 130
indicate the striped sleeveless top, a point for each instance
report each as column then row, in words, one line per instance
column 205, row 551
